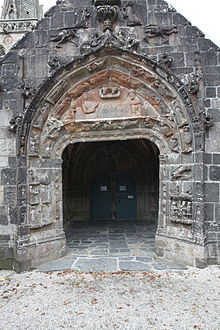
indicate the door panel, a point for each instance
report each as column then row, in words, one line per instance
column 125, row 197
column 101, row 197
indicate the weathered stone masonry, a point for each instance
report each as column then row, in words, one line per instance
column 107, row 71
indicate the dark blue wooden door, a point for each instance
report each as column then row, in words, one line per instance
column 100, row 207
column 125, row 197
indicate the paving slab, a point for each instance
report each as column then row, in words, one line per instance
column 96, row 264
column 134, row 265
column 108, row 246
column 64, row 263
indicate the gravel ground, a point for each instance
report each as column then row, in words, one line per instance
column 136, row 300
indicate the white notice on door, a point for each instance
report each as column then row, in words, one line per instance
column 103, row 188
column 122, row 188
column 130, row 196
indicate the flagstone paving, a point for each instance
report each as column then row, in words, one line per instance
column 110, row 246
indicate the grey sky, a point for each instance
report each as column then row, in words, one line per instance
column 202, row 13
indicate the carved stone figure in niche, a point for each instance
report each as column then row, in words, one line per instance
column 34, row 195
column 64, row 36
column 186, row 139
column 183, row 172
column 46, row 194
column 135, row 103
column 81, row 18
column 198, row 127
column 179, row 115
column 174, row 143
column 130, row 16
column 158, row 34
column 193, row 83
column 110, row 92
column 165, row 61
column 167, row 125
column 53, row 128
column 85, row 105
column 15, row 121
column 35, row 217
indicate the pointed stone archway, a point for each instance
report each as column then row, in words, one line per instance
column 111, row 95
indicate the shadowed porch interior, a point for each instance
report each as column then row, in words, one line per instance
column 111, row 197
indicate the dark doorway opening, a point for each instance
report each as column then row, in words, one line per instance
column 111, row 180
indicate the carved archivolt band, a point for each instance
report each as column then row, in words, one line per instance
column 108, row 98
column 112, row 94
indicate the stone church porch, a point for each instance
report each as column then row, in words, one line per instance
column 110, row 245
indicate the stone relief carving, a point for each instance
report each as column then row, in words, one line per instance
column 16, row 121
column 42, row 196
column 108, row 15
column 165, row 61
column 207, row 120
column 82, row 18
column 167, row 125
column 94, row 105
column 130, row 15
column 182, row 172
column 18, row 25
column 175, row 143
column 65, row 35
column 34, row 143
column 118, row 39
column 193, row 83
column 110, row 92
column 54, row 64
column 26, row 90
column 158, row 34
column 181, row 206
column 186, row 136
column 53, row 128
